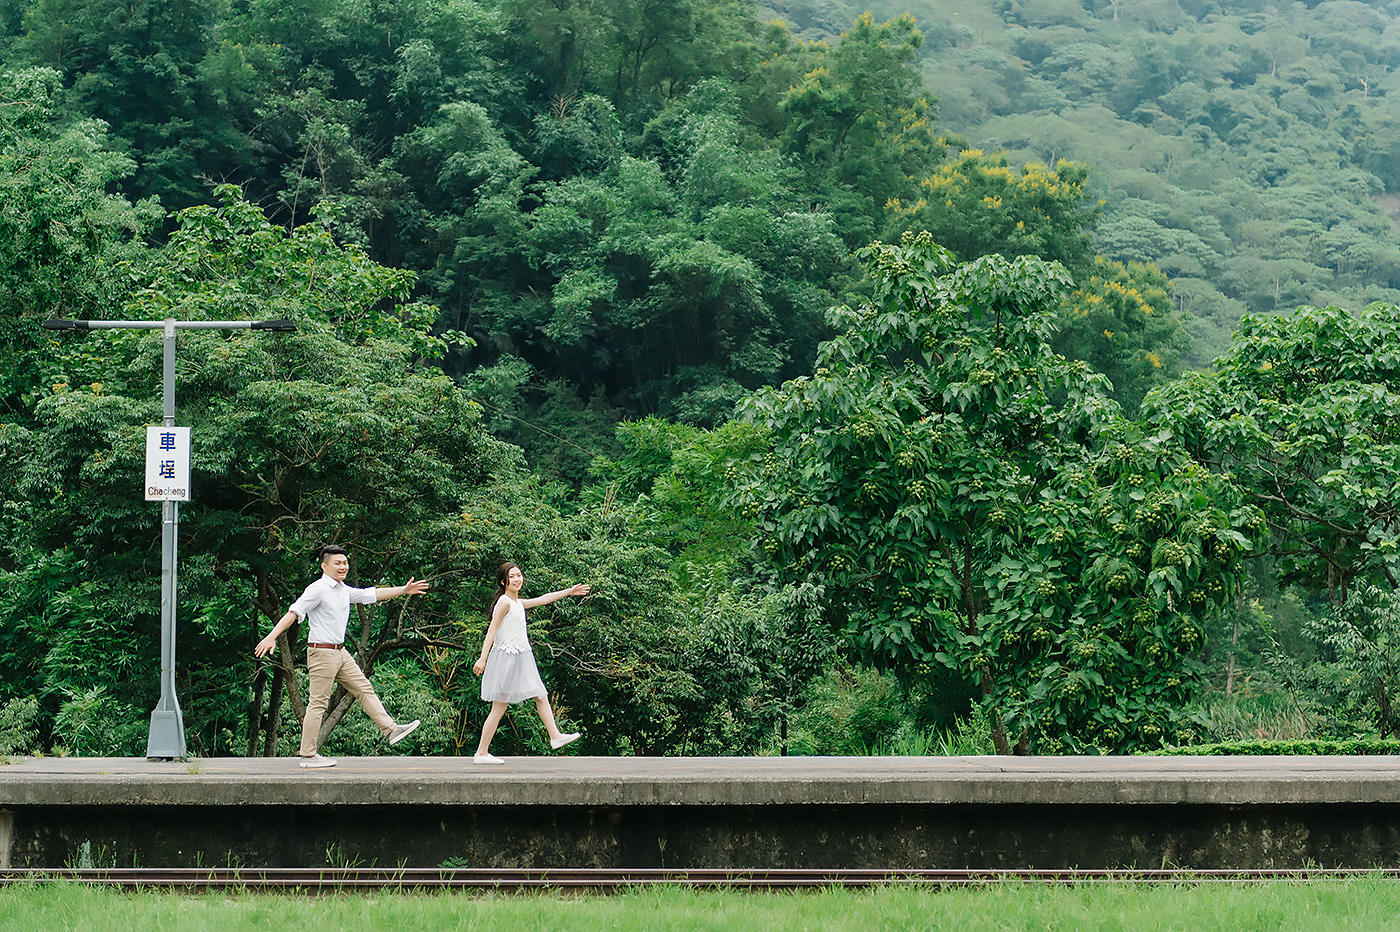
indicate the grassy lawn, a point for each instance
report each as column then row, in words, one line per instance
column 1369, row 905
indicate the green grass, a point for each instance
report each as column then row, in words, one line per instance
column 1365, row 905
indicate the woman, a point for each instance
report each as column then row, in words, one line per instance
column 507, row 664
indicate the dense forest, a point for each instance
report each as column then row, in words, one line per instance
column 946, row 377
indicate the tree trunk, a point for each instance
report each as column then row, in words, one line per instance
column 340, row 704
column 1383, row 699
column 288, row 677
column 274, row 718
column 255, row 711
column 1234, row 644
column 999, row 741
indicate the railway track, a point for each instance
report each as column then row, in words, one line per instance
column 336, row 880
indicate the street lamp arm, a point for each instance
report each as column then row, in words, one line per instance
column 277, row 325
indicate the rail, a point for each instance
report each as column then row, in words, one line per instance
column 335, row 880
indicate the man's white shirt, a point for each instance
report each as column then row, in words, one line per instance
column 325, row 605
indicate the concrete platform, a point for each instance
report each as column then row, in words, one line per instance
column 966, row 812
column 702, row 781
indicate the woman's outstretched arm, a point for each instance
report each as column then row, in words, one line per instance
column 580, row 589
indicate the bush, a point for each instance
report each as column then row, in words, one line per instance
column 18, row 719
column 93, row 723
column 1349, row 747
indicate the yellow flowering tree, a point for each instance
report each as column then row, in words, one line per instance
column 977, row 204
column 1120, row 319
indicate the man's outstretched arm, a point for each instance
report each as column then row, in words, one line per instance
column 269, row 644
column 412, row 587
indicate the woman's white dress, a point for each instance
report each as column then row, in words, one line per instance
column 511, row 674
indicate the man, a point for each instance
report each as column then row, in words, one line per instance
column 326, row 607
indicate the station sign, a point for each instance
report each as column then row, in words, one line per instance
column 167, row 464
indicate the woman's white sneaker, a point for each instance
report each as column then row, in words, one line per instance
column 562, row 740
column 486, row 759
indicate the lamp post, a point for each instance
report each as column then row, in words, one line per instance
column 166, row 740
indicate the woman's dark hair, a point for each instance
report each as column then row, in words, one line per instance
column 502, row 575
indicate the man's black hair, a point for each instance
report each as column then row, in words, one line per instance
column 333, row 549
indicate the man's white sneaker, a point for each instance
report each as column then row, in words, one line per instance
column 316, row 761
column 399, row 732
column 486, row 759
column 562, row 740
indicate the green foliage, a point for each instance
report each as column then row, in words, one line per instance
column 970, row 736
column 93, row 723
column 66, row 244
column 135, row 66
column 974, row 501
column 857, row 120
column 18, row 718
column 670, row 284
column 330, row 433
column 640, row 209
column 1120, row 319
column 560, row 433
column 611, row 661
column 676, row 476
column 644, row 201
column 855, row 709
column 1266, row 704
column 753, row 657
column 1300, row 413
column 848, row 708
column 1363, row 634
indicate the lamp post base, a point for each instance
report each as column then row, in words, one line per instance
column 167, row 738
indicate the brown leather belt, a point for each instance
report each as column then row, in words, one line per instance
column 325, row 646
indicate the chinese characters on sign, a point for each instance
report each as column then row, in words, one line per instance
column 167, row 464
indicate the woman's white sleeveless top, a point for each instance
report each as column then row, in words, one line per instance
column 510, row 634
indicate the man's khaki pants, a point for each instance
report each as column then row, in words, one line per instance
column 328, row 667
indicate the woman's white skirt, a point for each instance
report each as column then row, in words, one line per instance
column 511, row 677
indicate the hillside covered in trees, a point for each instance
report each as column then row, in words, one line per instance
column 1247, row 149
column 851, row 356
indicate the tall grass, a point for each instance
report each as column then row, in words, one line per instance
column 969, row 736
column 1256, row 715
column 1372, row 905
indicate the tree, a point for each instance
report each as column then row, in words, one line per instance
column 972, row 500
column 977, row 205
column 668, row 284
column 675, row 474
column 66, row 244
column 859, row 122
column 1121, row 321
column 1300, row 415
column 134, row 64
column 340, row 431
column 1362, row 635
